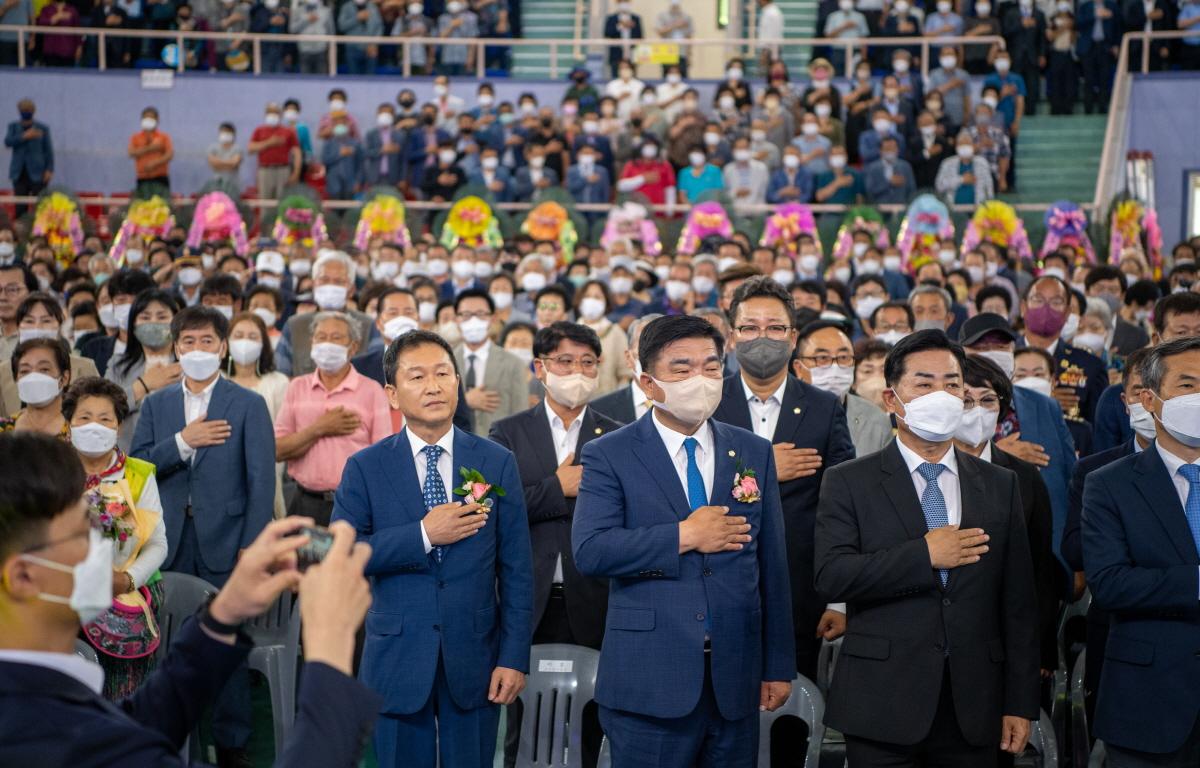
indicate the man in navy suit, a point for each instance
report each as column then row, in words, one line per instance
column 448, row 636
column 1141, row 552
column 54, row 574
column 212, row 444
column 681, row 513
column 808, row 432
column 1080, row 377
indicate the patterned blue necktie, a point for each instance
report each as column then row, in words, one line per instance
column 1192, row 508
column 434, row 491
column 933, row 504
column 695, row 481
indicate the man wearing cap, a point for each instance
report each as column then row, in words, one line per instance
column 271, row 270
column 278, row 151
column 1034, row 429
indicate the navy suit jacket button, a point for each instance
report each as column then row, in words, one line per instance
column 699, row 617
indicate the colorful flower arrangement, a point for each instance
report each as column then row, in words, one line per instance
column 860, row 217
column 786, row 223
column 108, row 514
column 57, row 219
column 299, row 220
column 926, row 223
column 704, row 220
column 551, row 221
column 745, row 486
column 475, row 488
column 1134, row 225
column 217, row 219
column 144, row 221
column 1066, row 224
column 471, row 222
column 383, row 216
column 997, row 222
column 631, row 221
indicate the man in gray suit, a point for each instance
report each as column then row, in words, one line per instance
column 496, row 381
column 333, row 287
column 870, row 428
column 890, row 178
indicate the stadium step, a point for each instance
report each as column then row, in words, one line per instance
column 545, row 19
column 1058, row 158
column 799, row 20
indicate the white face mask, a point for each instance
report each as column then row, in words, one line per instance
column 134, row 256
column 398, row 326
column 978, row 426
column 502, row 300
column 450, row 332
column 572, row 390
column 1092, row 342
column 890, row 337
column 934, row 417
column 809, row 263
column 93, row 439
column 791, row 162
column 965, row 151
column 25, row 334
column 336, row 105
column 330, row 358
column 837, row 162
column 834, row 379
column 810, row 129
column 783, row 276
column 189, row 276
column 330, row 297
column 245, row 351
column 121, row 315
column 948, row 62
column 462, row 269
column 149, row 123
column 91, row 592
column 199, row 365
column 483, row 270
column 524, row 354
column 474, row 330
column 590, row 309
column 866, row 306
column 266, row 315
column 1069, row 328
column 1142, row 421
column 37, row 389
column 1003, row 359
column 300, row 267
column 532, row 282
column 1034, row 384
column 1181, row 418
column 677, row 290
column 622, row 285
column 947, row 256
column 6, row 252
column 891, row 263
column 693, row 400
column 447, row 156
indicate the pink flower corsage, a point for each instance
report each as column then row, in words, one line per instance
column 475, row 488
column 745, row 486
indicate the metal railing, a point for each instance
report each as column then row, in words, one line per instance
column 560, row 48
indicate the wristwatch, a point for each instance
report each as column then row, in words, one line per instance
column 205, row 617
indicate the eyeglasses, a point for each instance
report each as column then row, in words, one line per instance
column 1037, row 300
column 481, row 314
column 586, row 364
column 751, row 332
column 13, row 289
column 991, row 402
column 845, row 359
column 549, row 307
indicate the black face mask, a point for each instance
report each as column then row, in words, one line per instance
column 636, row 122
column 547, row 122
column 407, row 103
column 466, row 131
column 762, row 358
column 427, row 120
column 639, row 286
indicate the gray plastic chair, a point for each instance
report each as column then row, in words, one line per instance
column 1080, row 736
column 1073, row 615
column 1042, row 741
column 276, row 635
column 805, row 703
column 183, row 594
column 826, row 663
column 86, row 651
column 562, row 679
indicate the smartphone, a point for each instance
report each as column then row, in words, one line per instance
column 315, row 549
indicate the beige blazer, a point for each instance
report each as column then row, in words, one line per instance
column 504, row 374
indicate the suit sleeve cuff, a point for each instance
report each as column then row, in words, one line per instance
column 839, row 607
column 425, row 538
column 185, row 451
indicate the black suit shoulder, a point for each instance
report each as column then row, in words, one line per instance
column 370, row 364
column 1089, row 464
column 615, row 406
column 1026, row 473
column 1118, row 469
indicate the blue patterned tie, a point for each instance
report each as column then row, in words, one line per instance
column 1192, row 508
column 695, row 487
column 933, row 504
column 434, row 491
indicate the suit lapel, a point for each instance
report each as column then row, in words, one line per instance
column 791, row 412
column 218, row 404
column 972, row 500
column 541, row 437
column 725, row 466
column 734, row 408
column 588, row 431
column 898, row 486
column 651, row 451
column 1158, row 489
column 398, row 466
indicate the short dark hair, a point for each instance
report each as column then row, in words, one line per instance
column 1105, row 272
column 863, row 279
column 392, row 290
column 473, row 293
column 603, row 289
column 547, row 339
column 221, row 284
column 865, row 349
column 908, row 313
column 1133, row 363
column 275, row 294
column 980, row 372
column 917, row 341
column 553, row 290
column 764, row 287
column 516, row 326
column 45, row 300
column 128, row 282
column 1154, row 365
column 412, row 340
column 57, row 346
column 812, row 287
column 992, row 291
column 31, row 283
column 1142, row 292
column 1047, row 358
column 817, row 325
column 50, row 481
column 94, row 386
column 669, row 329
column 197, row 317
column 1029, row 288
column 1186, row 303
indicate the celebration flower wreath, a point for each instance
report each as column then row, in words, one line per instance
column 299, row 220
column 471, row 222
column 860, row 218
column 217, row 219
column 786, row 223
column 1066, row 224
column 704, row 220
column 57, row 219
column 1134, row 225
column 631, row 221
column 383, row 216
column 144, row 221
column 551, row 221
column 926, row 223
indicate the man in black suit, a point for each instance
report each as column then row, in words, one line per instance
column 396, row 314
column 927, row 546
column 547, row 440
column 988, row 394
column 55, row 573
column 1144, row 431
column 627, row 404
column 807, row 428
column 1024, row 30
column 626, row 26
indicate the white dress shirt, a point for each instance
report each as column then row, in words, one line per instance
column 481, row 358
column 704, row 454
column 947, row 480
column 565, row 439
column 1173, row 462
column 764, row 415
column 445, row 468
column 86, row 672
column 640, row 401
column 195, row 406
column 986, row 453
